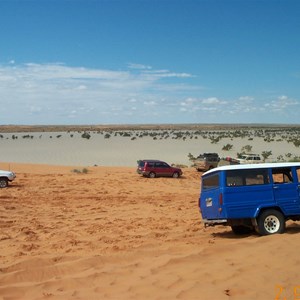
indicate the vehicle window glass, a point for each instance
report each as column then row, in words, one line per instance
column 210, row 182
column 298, row 174
column 282, row 175
column 151, row 164
column 164, row 165
column 247, row 177
column 234, row 180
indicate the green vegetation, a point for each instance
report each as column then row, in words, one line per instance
column 266, row 154
column 191, row 157
column 86, row 135
column 215, row 134
column 227, row 147
column 246, row 149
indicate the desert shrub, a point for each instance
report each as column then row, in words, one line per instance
column 266, row 154
column 215, row 140
column 86, row 135
column 84, row 171
column 191, row 157
column 27, row 136
column 296, row 143
column 247, row 148
column 227, row 147
column 126, row 134
column 280, row 158
column 179, row 166
column 294, row 159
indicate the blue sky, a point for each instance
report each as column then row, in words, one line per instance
column 149, row 61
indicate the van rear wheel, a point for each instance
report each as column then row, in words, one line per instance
column 271, row 221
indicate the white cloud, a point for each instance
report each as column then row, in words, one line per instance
column 58, row 90
column 165, row 74
column 139, row 66
column 246, row 99
column 282, row 103
column 213, row 101
column 150, row 103
column 56, row 93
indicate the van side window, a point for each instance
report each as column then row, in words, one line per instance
column 247, row 177
column 282, row 175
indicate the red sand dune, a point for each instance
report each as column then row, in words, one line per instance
column 111, row 234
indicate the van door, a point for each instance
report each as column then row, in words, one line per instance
column 211, row 198
column 286, row 190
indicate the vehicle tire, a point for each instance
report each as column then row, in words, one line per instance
column 271, row 221
column 152, row 175
column 3, row 182
column 240, row 229
column 175, row 175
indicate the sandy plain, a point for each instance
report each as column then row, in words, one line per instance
column 111, row 234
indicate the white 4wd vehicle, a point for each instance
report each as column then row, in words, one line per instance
column 5, row 177
column 250, row 159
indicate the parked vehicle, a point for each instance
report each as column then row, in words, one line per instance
column 250, row 159
column 206, row 161
column 5, row 177
column 259, row 197
column 155, row 168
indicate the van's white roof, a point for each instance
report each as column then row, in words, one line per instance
column 253, row 166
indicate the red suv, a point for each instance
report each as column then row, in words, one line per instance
column 155, row 168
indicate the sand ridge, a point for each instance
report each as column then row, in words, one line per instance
column 111, row 234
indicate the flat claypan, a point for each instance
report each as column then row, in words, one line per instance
column 69, row 148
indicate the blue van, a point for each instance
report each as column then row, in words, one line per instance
column 259, row 197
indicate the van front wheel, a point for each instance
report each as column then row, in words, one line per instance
column 270, row 222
